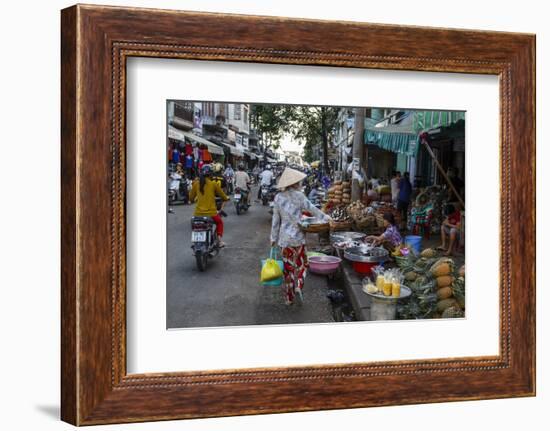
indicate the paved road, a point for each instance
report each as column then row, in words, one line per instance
column 228, row 292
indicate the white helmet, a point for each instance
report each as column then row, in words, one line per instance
column 268, row 166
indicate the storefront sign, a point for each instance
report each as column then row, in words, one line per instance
column 239, row 141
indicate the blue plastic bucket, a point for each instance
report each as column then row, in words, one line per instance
column 414, row 241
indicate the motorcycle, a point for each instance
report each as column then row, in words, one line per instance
column 178, row 188
column 229, row 183
column 204, row 241
column 240, row 199
column 267, row 193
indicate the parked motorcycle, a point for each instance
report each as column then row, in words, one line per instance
column 240, row 199
column 178, row 189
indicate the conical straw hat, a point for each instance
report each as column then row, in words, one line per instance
column 289, row 177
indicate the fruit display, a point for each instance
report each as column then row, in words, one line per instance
column 428, row 252
column 339, row 192
column 452, row 312
column 363, row 216
column 438, row 287
column 346, row 192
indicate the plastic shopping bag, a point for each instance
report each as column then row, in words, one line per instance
column 272, row 270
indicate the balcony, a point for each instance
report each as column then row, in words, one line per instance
column 183, row 116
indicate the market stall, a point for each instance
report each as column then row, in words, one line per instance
column 431, row 285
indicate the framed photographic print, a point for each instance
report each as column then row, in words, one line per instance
column 281, row 217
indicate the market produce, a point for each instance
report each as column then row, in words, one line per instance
column 444, row 292
column 462, row 271
column 438, row 288
column 458, row 289
column 411, row 276
column 443, row 304
column 443, row 266
column 339, row 214
column 362, row 215
column 452, row 312
column 429, row 253
column 335, row 193
column 444, row 281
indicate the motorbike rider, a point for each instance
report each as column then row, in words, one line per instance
column 242, row 181
column 229, row 175
column 204, row 190
column 266, row 179
column 217, row 175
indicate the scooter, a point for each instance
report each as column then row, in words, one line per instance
column 204, row 242
column 268, row 193
column 240, row 199
column 229, row 183
column 178, row 188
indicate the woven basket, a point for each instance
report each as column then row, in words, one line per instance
column 336, row 226
column 380, row 215
column 316, row 228
column 365, row 224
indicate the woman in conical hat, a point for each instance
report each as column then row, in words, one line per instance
column 288, row 206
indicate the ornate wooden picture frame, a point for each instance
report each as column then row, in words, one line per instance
column 96, row 41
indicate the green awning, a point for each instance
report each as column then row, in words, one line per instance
column 427, row 120
column 403, row 143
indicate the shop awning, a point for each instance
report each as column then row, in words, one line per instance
column 233, row 150
column 236, row 152
column 180, row 135
column 389, row 140
column 427, row 120
column 251, row 155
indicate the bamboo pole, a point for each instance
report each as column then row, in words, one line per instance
column 442, row 172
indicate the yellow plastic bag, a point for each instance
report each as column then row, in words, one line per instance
column 270, row 270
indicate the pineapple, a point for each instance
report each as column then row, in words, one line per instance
column 452, row 312
column 458, row 288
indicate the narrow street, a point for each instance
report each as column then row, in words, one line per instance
column 228, row 293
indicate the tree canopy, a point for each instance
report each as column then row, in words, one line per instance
column 310, row 125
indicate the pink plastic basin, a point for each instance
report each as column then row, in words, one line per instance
column 324, row 264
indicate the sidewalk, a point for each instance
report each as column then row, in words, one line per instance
column 353, row 285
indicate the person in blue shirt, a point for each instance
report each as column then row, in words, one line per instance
column 404, row 198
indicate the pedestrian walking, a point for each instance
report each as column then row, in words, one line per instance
column 404, row 198
column 394, row 183
column 289, row 204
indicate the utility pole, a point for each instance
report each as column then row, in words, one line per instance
column 358, row 151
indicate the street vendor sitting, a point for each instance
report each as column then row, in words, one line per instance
column 391, row 237
column 450, row 228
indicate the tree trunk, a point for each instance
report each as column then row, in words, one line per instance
column 324, row 138
column 358, row 151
